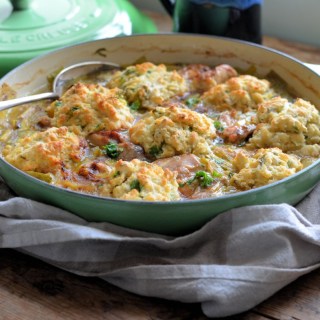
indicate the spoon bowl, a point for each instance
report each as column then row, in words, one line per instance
column 61, row 81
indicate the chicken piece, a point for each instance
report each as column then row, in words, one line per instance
column 190, row 174
column 201, row 77
column 185, row 165
column 237, row 134
column 234, row 126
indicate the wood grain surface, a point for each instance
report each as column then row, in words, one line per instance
column 32, row 289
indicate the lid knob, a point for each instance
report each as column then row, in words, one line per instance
column 21, row 4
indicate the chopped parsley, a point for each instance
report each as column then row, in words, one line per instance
column 129, row 71
column 230, row 174
column 58, row 103
column 216, row 174
column 204, row 178
column 135, row 184
column 262, row 160
column 296, row 129
column 116, row 174
column 218, row 125
column 155, row 150
column 112, row 150
column 192, row 101
column 135, row 105
column 74, row 108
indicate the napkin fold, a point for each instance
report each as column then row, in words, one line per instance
column 230, row 265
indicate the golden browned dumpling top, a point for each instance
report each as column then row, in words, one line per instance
column 48, row 151
column 243, row 93
column 91, row 107
column 165, row 132
column 264, row 167
column 286, row 125
column 147, row 85
column 140, row 180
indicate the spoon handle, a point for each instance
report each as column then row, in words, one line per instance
column 18, row 101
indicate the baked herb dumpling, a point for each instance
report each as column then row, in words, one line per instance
column 140, row 180
column 55, row 150
column 243, row 93
column 165, row 132
column 147, row 85
column 263, row 167
column 91, row 108
column 290, row 126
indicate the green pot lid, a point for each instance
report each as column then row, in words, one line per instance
column 38, row 26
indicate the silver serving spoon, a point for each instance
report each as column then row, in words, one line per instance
column 65, row 76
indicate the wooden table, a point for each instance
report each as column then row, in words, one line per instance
column 31, row 289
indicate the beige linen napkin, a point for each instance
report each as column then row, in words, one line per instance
column 230, row 265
